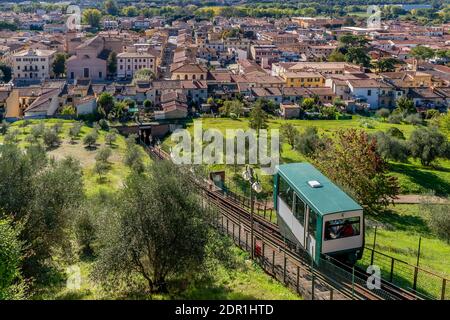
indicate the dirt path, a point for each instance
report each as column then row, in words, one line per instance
column 401, row 199
column 417, row 198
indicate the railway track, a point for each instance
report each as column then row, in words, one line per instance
column 284, row 260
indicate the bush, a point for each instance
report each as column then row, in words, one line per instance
column 432, row 113
column 57, row 127
column 37, row 130
column 103, row 124
column 383, row 113
column 391, row 148
column 11, row 283
column 110, row 138
column 440, row 221
column 133, row 158
column 51, row 138
column 74, row 131
column 439, row 217
column 101, row 168
column 90, row 139
column 427, row 144
column 414, row 119
column 85, row 230
column 396, row 133
column 24, row 123
column 395, row 118
column 368, row 124
column 308, row 141
column 12, row 136
column 4, row 127
column 103, row 154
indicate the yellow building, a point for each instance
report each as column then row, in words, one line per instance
column 304, row 79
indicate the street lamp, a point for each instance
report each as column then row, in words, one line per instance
column 249, row 176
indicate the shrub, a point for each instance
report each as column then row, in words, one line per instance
column 37, row 130
column 57, row 127
column 440, row 221
column 103, row 154
column 396, row 133
column 395, row 118
column 90, row 139
column 414, row 119
column 368, row 124
column 74, row 131
column 383, row 113
column 308, row 141
column 4, row 127
column 51, row 138
column 427, row 144
column 432, row 113
column 110, row 138
column 11, row 283
column 103, row 124
column 391, row 148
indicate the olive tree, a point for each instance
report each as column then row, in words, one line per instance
column 391, row 148
column 289, row 132
column 159, row 230
column 308, row 141
column 51, row 138
column 426, row 144
column 90, row 139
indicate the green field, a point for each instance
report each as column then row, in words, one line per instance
column 117, row 170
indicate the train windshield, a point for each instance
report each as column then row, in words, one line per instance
column 342, row 228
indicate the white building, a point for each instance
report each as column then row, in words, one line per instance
column 32, row 64
column 130, row 62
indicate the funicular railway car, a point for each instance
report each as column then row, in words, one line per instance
column 316, row 215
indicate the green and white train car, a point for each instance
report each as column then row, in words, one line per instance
column 316, row 214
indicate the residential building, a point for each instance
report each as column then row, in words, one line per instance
column 130, row 62
column 32, row 64
column 304, row 79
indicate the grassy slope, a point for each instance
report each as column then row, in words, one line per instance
column 399, row 229
column 413, row 177
column 403, row 224
column 248, row 283
column 117, row 172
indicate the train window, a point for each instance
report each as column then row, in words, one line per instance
column 299, row 210
column 285, row 192
column 342, row 228
column 312, row 223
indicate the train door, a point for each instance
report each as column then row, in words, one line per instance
column 298, row 224
column 311, row 233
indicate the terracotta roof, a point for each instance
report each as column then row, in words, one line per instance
column 190, row 68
